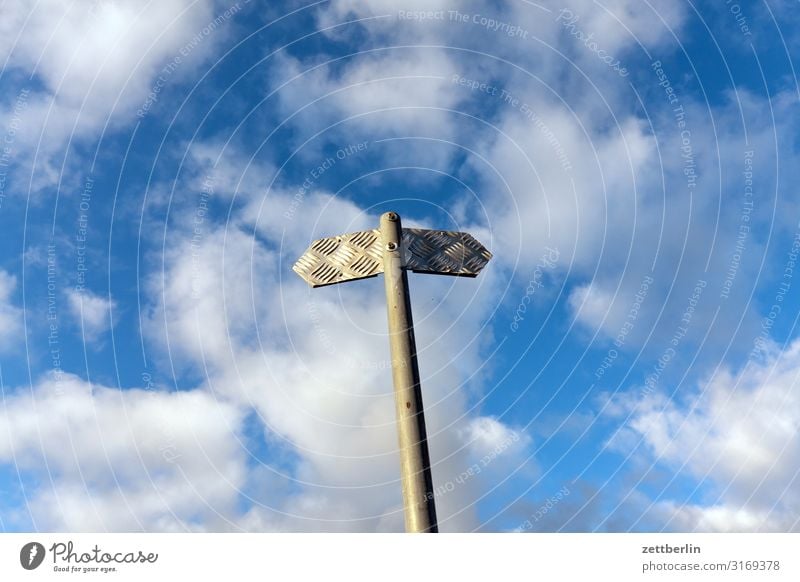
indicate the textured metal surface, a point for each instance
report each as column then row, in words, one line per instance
column 358, row 255
column 443, row 252
column 346, row 257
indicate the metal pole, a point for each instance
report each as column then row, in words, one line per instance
column 415, row 463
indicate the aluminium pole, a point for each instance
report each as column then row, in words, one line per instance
column 415, row 463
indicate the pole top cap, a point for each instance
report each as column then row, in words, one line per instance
column 390, row 216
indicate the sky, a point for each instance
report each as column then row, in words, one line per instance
column 627, row 361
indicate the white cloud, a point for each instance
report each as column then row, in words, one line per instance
column 590, row 304
column 662, row 230
column 737, row 432
column 92, row 312
column 402, row 92
column 10, row 315
column 723, row 518
column 617, row 24
column 90, row 53
column 124, row 460
column 95, row 64
column 208, row 304
column 485, row 434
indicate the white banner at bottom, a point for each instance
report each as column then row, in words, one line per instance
column 371, row 557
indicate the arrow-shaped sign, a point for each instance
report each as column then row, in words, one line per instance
column 358, row 255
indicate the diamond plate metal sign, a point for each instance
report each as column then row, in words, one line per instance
column 444, row 252
column 358, row 255
column 337, row 259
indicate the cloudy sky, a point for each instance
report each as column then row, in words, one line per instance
column 628, row 361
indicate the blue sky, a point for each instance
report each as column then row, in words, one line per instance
column 628, row 361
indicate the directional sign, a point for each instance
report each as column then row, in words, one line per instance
column 393, row 250
column 357, row 255
column 337, row 259
column 444, row 252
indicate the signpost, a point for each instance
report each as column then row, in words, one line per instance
column 393, row 251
